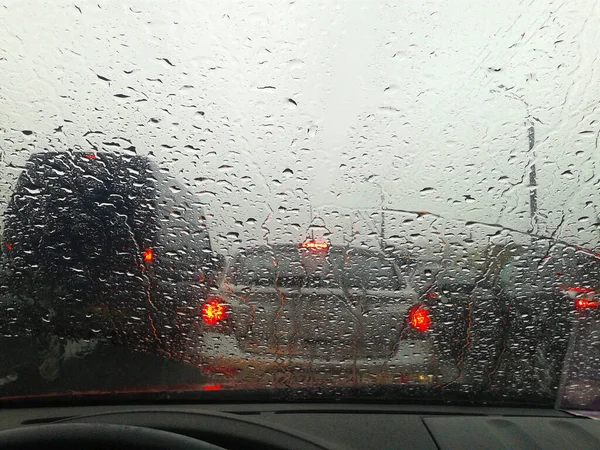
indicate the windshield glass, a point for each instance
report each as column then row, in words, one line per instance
column 301, row 197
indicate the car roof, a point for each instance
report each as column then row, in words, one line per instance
column 47, row 155
column 283, row 249
column 51, row 157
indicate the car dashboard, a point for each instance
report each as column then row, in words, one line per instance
column 332, row 426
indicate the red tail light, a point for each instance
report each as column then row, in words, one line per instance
column 314, row 245
column 582, row 303
column 148, row 255
column 584, row 297
column 419, row 318
column 8, row 246
column 213, row 311
column 90, row 156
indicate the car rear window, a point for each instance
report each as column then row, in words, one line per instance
column 370, row 272
column 367, row 271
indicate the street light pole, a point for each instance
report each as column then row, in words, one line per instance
column 533, row 202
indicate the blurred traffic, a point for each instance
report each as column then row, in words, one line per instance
column 106, row 257
column 317, row 311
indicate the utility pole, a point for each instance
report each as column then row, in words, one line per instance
column 533, row 201
column 382, row 232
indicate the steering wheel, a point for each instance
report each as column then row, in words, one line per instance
column 98, row 436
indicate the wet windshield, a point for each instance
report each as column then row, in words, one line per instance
column 301, row 197
column 287, row 267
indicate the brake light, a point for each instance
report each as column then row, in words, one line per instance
column 212, row 387
column 90, row 156
column 315, row 245
column 584, row 297
column 419, row 318
column 582, row 303
column 213, row 311
column 148, row 255
column 8, row 246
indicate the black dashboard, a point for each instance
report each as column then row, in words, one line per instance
column 332, row 426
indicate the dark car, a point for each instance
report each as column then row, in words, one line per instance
column 511, row 315
column 335, row 312
column 103, row 246
column 550, row 295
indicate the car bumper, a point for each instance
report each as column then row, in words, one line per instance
column 219, row 356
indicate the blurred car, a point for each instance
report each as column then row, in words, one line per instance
column 103, row 246
column 315, row 309
column 511, row 313
column 550, row 292
column 460, row 295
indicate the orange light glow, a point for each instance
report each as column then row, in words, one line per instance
column 213, row 311
column 582, row 303
column 314, row 245
column 148, row 255
column 419, row 319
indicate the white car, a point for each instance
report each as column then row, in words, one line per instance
column 325, row 312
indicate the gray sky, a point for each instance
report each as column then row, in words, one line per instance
column 272, row 111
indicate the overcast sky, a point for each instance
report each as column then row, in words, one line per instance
column 277, row 112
